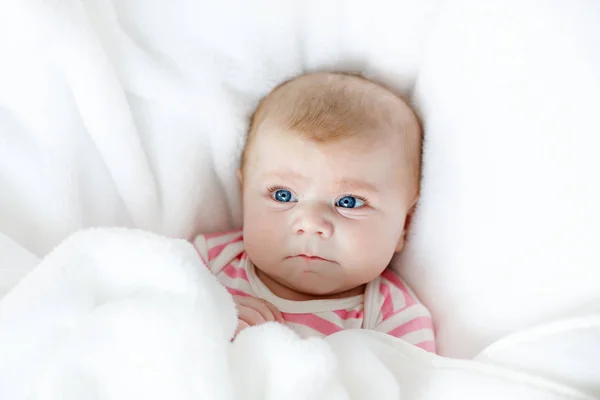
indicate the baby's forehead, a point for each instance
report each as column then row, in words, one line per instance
column 278, row 148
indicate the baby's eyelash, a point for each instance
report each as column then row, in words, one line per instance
column 275, row 188
column 363, row 199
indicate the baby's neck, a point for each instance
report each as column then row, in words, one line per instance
column 287, row 293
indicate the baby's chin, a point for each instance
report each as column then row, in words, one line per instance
column 313, row 281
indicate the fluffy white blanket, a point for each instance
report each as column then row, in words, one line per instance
column 115, row 314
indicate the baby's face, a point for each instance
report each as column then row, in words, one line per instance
column 321, row 219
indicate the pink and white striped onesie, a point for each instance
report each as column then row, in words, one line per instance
column 388, row 304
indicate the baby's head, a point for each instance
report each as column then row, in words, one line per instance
column 330, row 175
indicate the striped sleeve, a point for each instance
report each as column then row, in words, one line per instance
column 217, row 250
column 402, row 315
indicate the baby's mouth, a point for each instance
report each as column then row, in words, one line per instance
column 309, row 257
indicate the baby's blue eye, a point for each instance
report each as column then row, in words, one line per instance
column 283, row 196
column 349, row 202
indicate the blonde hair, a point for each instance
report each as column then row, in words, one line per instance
column 331, row 106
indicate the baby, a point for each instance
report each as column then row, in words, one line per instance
column 330, row 178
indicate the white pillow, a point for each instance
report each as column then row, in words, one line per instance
column 508, row 227
column 134, row 113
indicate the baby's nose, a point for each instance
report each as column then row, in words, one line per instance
column 313, row 221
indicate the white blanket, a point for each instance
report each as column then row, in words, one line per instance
column 115, row 314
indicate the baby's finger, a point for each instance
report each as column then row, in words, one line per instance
column 240, row 327
column 250, row 316
column 276, row 313
column 258, row 305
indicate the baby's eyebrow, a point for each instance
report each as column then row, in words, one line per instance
column 286, row 176
column 357, row 184
column 349, row 184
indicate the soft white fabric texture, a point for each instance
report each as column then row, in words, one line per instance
column 133, row 113
column 115, row 314
column 15, row 263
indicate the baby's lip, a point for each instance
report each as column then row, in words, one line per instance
column 311, row 257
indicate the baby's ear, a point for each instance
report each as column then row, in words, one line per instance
column 407, row 224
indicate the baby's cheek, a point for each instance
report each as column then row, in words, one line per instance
column 262, row 228
column 354, row 240
column 256, row 227
column 256, row 234
column 371, row 245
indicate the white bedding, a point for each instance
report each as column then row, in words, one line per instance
column 124, row 314
column 132, row 113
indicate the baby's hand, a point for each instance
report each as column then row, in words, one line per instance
column 253, row 311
